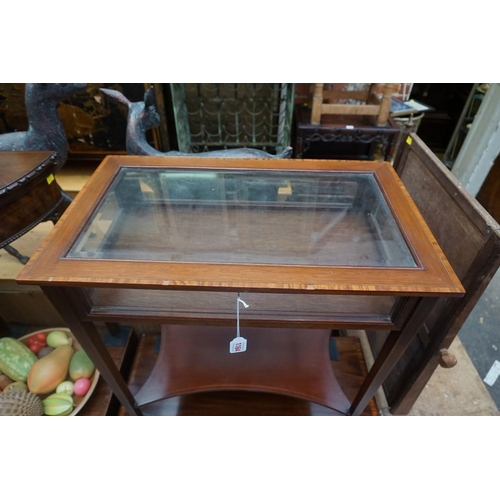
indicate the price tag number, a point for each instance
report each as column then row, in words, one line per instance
column 239, row 344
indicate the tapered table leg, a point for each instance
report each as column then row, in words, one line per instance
column 392, row 350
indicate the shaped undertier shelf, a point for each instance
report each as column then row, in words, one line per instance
column 289, row 362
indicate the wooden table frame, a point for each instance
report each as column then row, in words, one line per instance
column 66, row 281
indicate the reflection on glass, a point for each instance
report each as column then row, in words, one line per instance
column 255, row 217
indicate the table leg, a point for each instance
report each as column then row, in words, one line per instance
column 93, row 345
column 299, row 149
column 12, row 251
column 392, row 140
column 392, row 350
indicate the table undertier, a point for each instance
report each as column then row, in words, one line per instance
column 350, row 370
column 290, row 362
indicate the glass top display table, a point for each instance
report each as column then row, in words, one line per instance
column 309, row 245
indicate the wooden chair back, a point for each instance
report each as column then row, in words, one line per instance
column 371, row 103
column 470, row 239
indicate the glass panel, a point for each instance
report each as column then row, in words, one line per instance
column 244, row 217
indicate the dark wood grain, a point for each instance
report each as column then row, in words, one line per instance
column 351, row 137
column 17, row 167
column 218, row 308
column 350, row 371
column 29, row 194
column 290, row 362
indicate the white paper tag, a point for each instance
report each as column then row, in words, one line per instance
column 492, row 375
column 239, row 344
column 349, row 127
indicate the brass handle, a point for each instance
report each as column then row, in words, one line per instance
column 446, row 359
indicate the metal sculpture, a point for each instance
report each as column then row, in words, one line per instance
column 142, row 116
column 45, row 131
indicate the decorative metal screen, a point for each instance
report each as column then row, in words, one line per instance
column 210, row 116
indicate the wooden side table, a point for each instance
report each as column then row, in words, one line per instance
column 29, row 194
column 349, row 137
column 311, row 246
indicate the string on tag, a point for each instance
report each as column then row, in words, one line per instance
column 238, row 344
column 238, row 301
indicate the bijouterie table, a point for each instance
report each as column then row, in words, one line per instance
column 308, row 245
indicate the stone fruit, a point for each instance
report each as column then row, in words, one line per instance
column 48, row 372
column 80, row 366
column 16, row 359
column 20, row 404
column 58, row 338
column 81, row 386
column 58, row 404
column 65, row 387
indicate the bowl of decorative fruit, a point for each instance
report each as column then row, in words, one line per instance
column 45, row 373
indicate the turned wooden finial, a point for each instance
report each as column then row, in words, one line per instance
column 446, row 359
column 385, row 105
column 317, row 102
